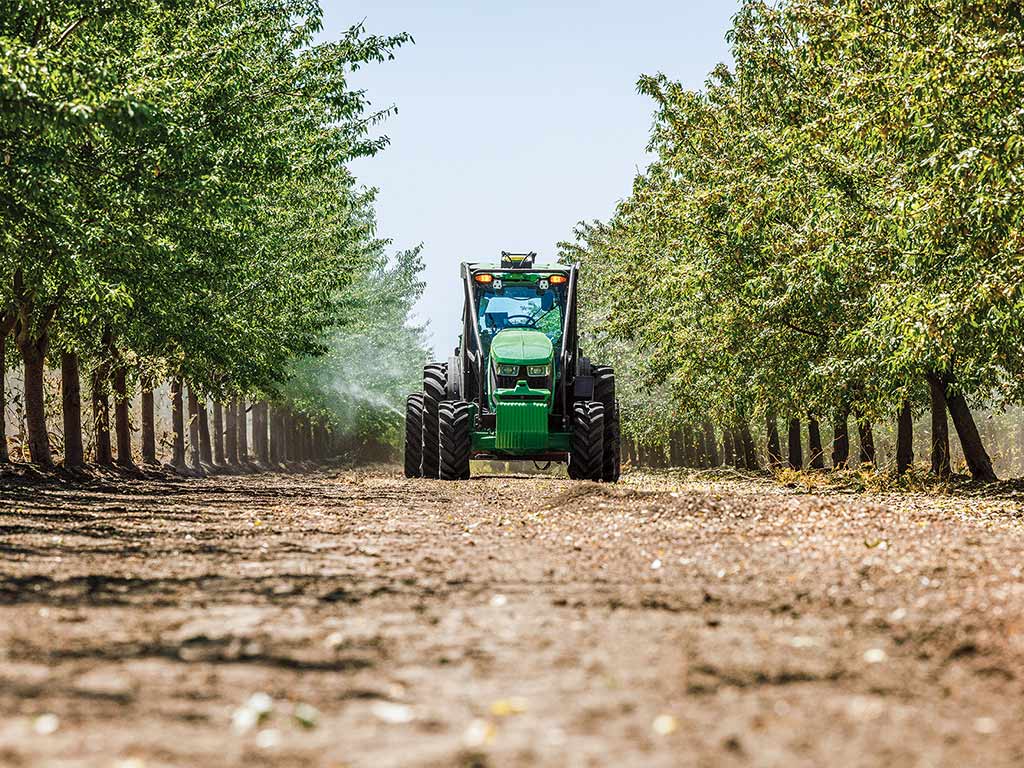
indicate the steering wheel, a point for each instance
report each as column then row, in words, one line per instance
column 531, row 321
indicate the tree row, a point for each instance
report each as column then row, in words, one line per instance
column 830, row 231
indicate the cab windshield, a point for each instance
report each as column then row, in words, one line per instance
column 521, row 306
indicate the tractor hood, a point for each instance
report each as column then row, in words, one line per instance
column 515, row 346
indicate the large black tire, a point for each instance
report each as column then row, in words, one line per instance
column 414, row 435
column 612, row 464
column 435, row 385
column 586, row 449
column 455, row 440
column 604, row 393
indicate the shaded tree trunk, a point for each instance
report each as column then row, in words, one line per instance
column 940, row 427
column 276, row 436
column 795, row 447
column 178, row 425
column 33, row 356
column 264, row 445
column 5, row 329
column 102, row 450
column 231, row 432
column 122, row 422
column 148, row 426
column 904, row 439
column 817, row 453
column 729, row 447
column 841, row 440
column 774, row 446
column 218, row 433
column 712, row 444
column 71, row 409
column 194, row 454
column 978, row 461
column 242, row 421
column 749, row 452
column 867, row 441
column 205, row 448
column 689, row 450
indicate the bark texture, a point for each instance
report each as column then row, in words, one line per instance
column 774, row 446
column 940, row 427
column 841, row 440
column 122, row 420
column 231, row 432
column 816, row 460
column 218, row 433
column 103, row 453
column 795, row 449
column 178, row 425
column 71, row 409
column 978, row 461
column 904, row 439
column 148, row 426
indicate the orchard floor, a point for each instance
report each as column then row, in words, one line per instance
column 673, row 620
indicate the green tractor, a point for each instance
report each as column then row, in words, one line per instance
column 518, row 386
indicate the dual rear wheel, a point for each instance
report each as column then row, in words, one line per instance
column 438, row 440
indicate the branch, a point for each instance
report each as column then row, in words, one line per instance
column 68, row 31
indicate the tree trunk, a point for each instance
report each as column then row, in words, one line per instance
column 194, row 454
column 148, row 426
column 178, row 425
column 205, row 448
column 728, row 447
column 904, row 439
column 749, row 452
column 275, row 436
column 264, row 446
column 231, row 431
column 122, row 423
column 5, row 455
column 243, row 432
column 71, row 408
column 218, row 433
column 841, row 440
column 817, row 453
column 774, row 446
column 102, row 450
column 689, row 452
column 978, row 461
column 712, row 443
column 795, row 447
column 867, row 441
column 33, row 356
column 940, row 427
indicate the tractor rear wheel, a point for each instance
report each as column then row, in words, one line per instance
column 435, row 386
column 612, row 446
column 604, row 393
column 455, row 440
column 586, row 448
column 414, row 435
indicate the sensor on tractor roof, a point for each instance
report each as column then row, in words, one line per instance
column 517, row 260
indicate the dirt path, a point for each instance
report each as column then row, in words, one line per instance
column 506, row 622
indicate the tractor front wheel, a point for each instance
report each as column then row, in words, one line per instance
column 586, row 448
column 414, row 435
column 455, row 440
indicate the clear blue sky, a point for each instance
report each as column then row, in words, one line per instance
column 516, row 120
